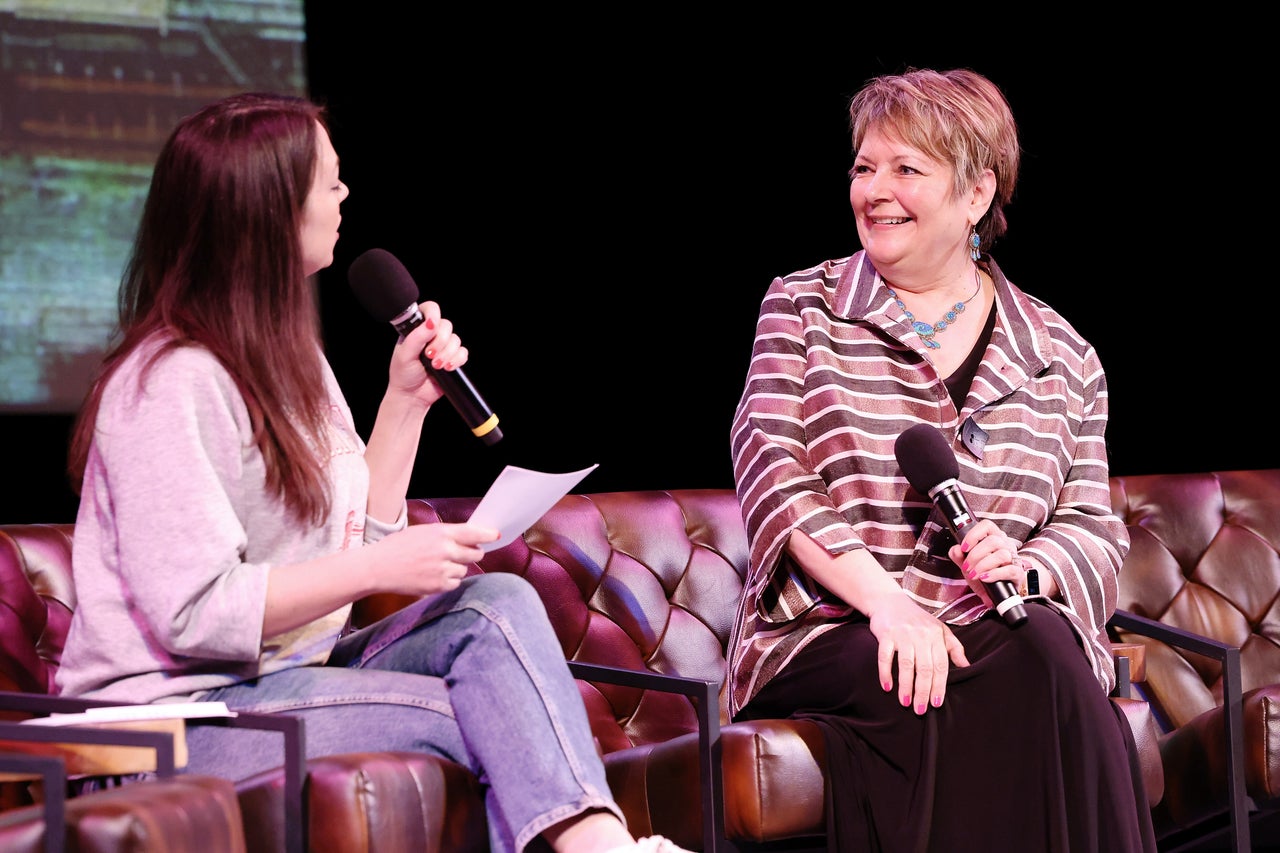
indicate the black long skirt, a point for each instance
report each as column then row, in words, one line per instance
column 1026, row 753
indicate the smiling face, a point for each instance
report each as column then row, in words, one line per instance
column 320, row 216
column 910, row 220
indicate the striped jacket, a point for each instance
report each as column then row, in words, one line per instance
column 836, row 375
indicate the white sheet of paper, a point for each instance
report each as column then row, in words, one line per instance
column 127, row 713
column 519, row 497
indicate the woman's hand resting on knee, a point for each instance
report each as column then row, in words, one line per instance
column 924, row 648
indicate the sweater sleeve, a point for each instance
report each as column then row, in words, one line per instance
column 184, row 475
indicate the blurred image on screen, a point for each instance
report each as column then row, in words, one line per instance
column 89, row 90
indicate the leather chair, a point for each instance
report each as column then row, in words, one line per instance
column 1200, row 589
column 352, row 803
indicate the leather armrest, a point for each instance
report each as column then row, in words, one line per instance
column 183, row 812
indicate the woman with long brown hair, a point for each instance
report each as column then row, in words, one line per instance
column 230, row 514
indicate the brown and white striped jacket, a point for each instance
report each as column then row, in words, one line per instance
column 836, row 376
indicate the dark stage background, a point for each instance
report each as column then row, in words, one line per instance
column 600, row 215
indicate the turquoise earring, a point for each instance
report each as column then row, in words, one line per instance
column 975, row 245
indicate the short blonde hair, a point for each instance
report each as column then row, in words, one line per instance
column 957, row 117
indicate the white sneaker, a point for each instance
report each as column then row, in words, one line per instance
column 651, row 844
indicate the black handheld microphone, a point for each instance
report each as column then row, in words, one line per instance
column 931, row 468
column 387, row 291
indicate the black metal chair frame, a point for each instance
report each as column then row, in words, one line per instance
column 53, row 776
column 1228, row 656
column 705, row 697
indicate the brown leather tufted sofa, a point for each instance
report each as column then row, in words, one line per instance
column 638, row 584
column 650, row 580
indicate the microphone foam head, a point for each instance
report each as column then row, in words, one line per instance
column 925, row 457
column 382, row 284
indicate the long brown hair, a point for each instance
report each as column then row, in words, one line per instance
column 217, row 263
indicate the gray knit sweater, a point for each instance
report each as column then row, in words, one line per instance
column 176, row 533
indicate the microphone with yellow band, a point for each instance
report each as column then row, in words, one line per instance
column 387, row 291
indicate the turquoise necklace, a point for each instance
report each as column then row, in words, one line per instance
column 926, row 331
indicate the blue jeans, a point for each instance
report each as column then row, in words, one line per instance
column 475, row 675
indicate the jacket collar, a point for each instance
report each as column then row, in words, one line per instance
column 1021, row 345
